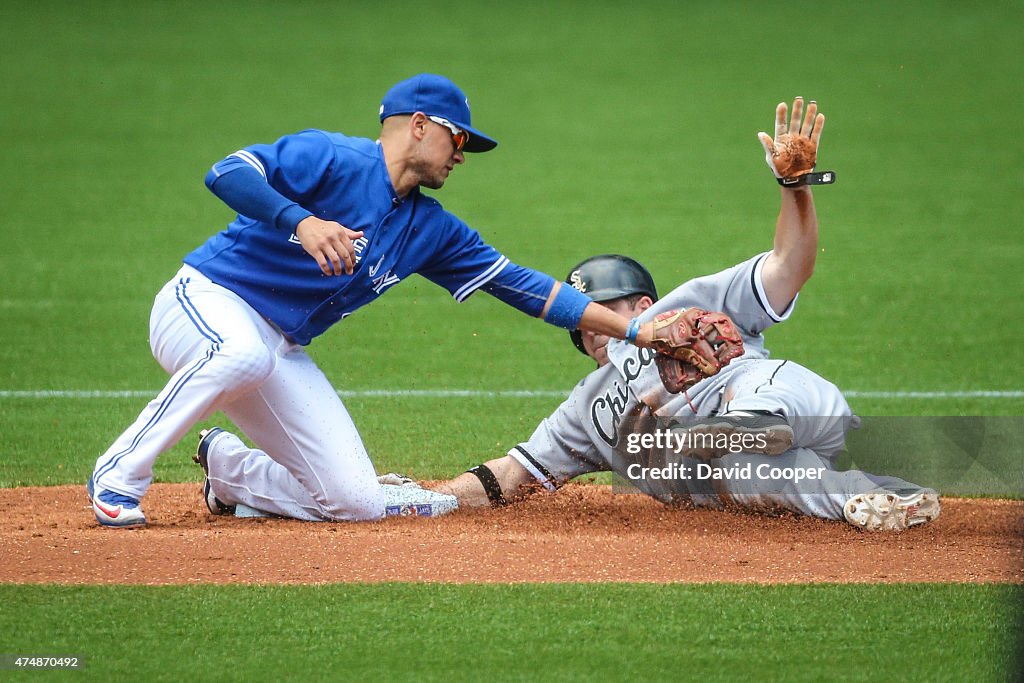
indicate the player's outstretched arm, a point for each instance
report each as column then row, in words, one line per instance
column 792, row 153
column 512, row 479
column 593, row 317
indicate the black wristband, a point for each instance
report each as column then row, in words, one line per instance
column 490, row 484
column 820, row 178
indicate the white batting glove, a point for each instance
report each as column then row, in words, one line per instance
column 395, row 479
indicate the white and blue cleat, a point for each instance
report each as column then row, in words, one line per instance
column 114, row 509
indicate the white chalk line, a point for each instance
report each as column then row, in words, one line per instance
column 500, row 393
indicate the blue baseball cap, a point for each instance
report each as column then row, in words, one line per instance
column 435, row 96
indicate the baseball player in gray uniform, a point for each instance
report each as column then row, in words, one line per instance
column 761, row 434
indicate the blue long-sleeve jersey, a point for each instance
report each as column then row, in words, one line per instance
column 343, row 179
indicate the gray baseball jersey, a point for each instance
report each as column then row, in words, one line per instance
column 588, row 431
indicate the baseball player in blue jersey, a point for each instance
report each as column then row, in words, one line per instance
column 326, row 224
column 761, row 434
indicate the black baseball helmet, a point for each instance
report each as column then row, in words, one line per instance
column 607, row 277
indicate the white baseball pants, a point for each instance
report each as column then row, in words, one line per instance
column 310, row 462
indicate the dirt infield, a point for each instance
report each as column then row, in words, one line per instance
column 580, row 534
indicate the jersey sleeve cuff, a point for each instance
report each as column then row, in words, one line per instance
column 538, row 471
column 290, row 217
column 757, row 284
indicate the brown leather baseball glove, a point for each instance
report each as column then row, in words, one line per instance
column 692, row 344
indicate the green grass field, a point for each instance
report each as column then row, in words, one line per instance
column 507, row 633
column 623, row 128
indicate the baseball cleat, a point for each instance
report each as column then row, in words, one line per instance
column 202, row 456
column 751, row 431
column 246, row 511
column 114, row 509
column 887, row 511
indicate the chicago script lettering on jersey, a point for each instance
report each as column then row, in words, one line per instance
column 607, row 409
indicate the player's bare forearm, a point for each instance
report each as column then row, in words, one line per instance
column 796, row 232
column 515, row 482
column 602, row 320
column 466, row 488
column 791, row 155
column 795, row 249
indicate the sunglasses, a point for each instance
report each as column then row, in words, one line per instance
column 459, row 136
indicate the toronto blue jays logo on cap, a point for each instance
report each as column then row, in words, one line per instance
column 435, row 95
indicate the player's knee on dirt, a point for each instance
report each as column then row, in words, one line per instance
column 350, row 504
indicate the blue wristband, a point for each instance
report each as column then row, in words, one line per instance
column 633, row 330
column 567, row 308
